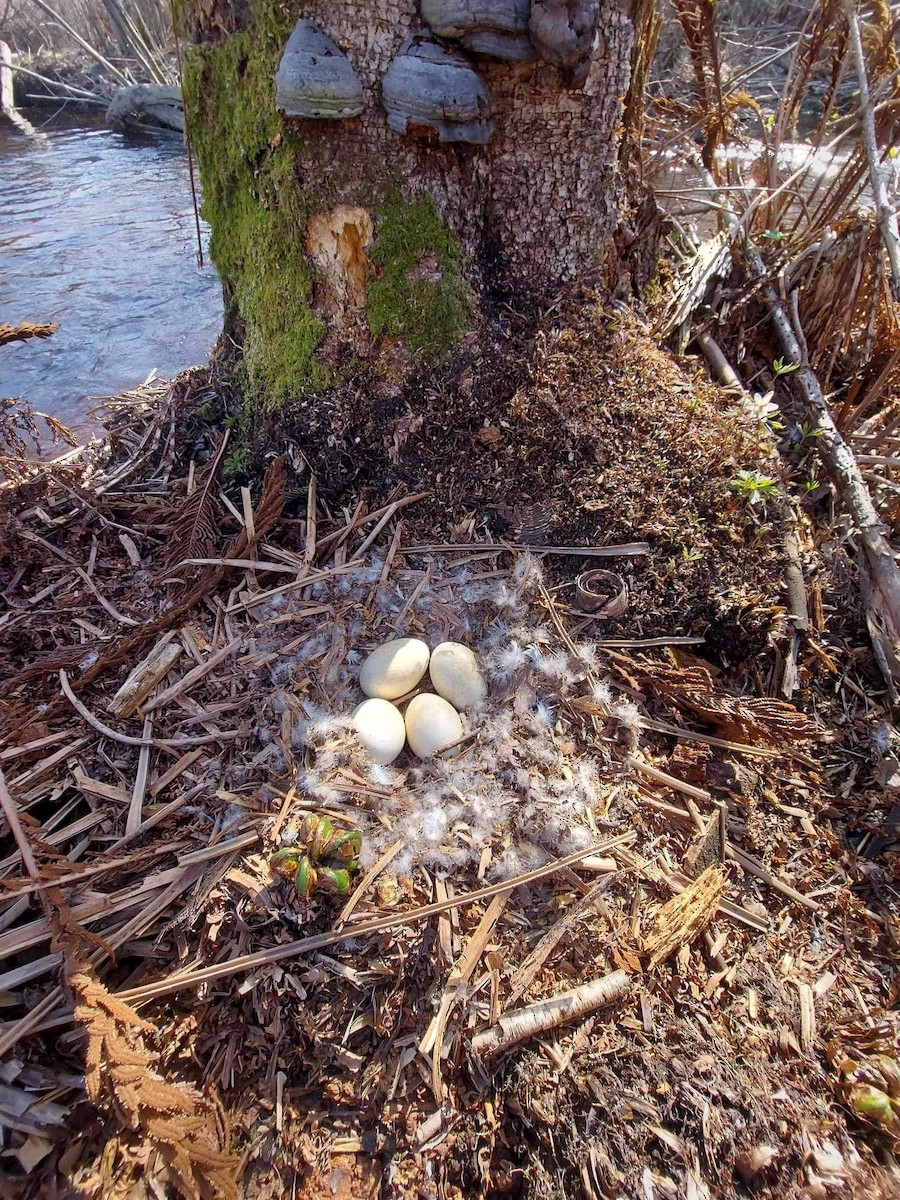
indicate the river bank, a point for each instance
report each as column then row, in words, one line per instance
column 99, row 239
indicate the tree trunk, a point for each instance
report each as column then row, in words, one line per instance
column 343, row 240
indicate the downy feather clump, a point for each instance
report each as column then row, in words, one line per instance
column 526, row 784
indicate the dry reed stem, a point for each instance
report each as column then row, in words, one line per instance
column 887, row 217
column 262, row 958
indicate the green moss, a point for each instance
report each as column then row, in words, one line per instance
column 253, row 205
column 430, row 307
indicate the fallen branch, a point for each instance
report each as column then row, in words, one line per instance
column 837, row 457
column 885, row 214
column 549, row 1014
column 7, row 98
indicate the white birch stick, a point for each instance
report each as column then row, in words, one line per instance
column 548, row 1014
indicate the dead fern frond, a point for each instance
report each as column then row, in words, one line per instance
column 698, row 26
column 192, row 531
column 738, row 718
column 28, row 329
column 179, row 1122
column 18, row 428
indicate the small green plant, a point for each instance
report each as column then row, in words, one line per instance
column 770, row 422
column 235, row 462
column 753, row 487
column 322, row 858
column 774, row 235
column 780, row 367
column 691, row 554
column 809, row 430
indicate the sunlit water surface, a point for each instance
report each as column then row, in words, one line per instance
column 97, row 235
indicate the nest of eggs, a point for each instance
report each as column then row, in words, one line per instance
column 492, row 750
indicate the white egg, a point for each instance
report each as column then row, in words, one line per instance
column 394, row 669
column 381, row 729
column 455, row 674
column 431, row 724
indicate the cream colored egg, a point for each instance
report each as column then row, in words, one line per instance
column 394, row 669
column 431, row 724
column 456, row 676
column 381, row 729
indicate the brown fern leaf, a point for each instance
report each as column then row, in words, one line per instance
column 64, row 658
column 738, row 718
column 192, row 532
column 175, row 1118
column 28, row 329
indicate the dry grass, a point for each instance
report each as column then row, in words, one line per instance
column 550, row 847
column 131, row 40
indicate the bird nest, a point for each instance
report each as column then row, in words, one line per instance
column 595, row 938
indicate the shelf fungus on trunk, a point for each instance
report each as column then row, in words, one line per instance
column 563, row 31
column 315, row 78
column 496, row 28
column 433, row 90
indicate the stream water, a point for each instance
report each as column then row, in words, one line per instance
column 97, row 235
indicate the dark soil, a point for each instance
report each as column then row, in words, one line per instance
column 575, row 430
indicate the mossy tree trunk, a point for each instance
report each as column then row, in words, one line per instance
column 341, row 241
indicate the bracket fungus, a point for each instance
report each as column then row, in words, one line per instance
column 431, row 89
column 562, row 32
column 496, row 28
column 315, row 78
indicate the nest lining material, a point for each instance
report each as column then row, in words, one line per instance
column 522, row 785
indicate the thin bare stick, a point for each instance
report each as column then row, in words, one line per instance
column 136, row 808
column 113, row 70
column 678, row 785
column 625, row 550
column 366, row 882
column 95, row 722
column 309, row 552
column 752, row 867
column 549, row 1014
column 262, row 958
column 11, row 812
column 887, row 217
column 529, row 969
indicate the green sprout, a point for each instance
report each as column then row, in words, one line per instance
column 322, row 858
column 753, row 487
column 809, row 430
column 780, row 367
column 235, row 462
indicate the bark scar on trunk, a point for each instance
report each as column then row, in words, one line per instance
column 337, row 242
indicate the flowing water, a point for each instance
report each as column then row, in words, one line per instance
column 97, row 235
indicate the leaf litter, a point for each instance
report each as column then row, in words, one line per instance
column 629, row 884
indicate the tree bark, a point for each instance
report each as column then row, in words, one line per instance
column 341, row 239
